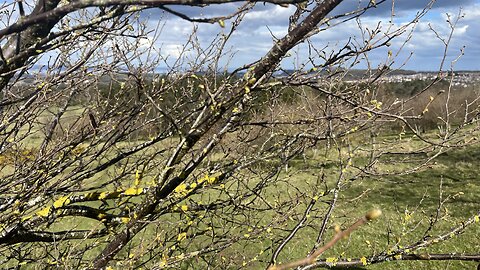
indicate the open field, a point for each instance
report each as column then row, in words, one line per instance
column 409, row 202
column 447, row 189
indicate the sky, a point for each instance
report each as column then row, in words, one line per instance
column 253, row 38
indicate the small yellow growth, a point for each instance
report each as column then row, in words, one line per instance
column 315, row 198
column 207, row 178
column 109, row 268
column 182, row 236
column 221, row 23
column 62, row 201
column 211, row 180
column 247, row 90
column 181, row 189
column 363, row 260
column 331, row 261
column 184, row 208
column 44, row 212
column 193, row 185
column 125, row 220
column 431, row 98
column 163, row 262
column 236, row 110
column 476, row 219
column 101, row 216
column 373, row 214
column 103, row 195
column 377, row 104
column 246, row 235
column 252, row 81
column 138, row 177
column 133, row 191
column 26, row 218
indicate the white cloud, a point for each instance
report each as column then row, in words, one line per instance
column 172, row 50
column 253, row 37
column 146, row 42
column 462, row 30
column 272, row 14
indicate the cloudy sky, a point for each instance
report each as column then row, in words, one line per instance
column 254, row 36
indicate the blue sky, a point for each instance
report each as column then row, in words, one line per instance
column 254, row 36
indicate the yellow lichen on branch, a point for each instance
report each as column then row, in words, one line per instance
column 62, row 201
column 44, row 212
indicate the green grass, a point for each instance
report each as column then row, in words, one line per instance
column 408, row 202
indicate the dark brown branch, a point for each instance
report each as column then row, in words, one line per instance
column 39, row 236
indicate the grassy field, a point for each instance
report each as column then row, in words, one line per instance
column 408, row 203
